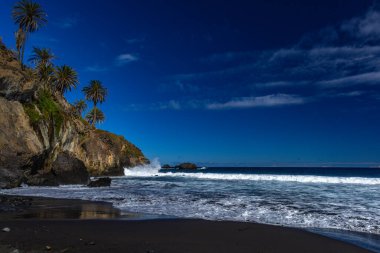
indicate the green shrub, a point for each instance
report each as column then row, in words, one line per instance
column 33, row 114
column 50, row 109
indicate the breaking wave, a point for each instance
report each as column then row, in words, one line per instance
column 153, row 170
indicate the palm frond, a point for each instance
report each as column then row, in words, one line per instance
column 95, row 92
column 29, row 15
column 65, row 78
column 95, row 116
column 42, row 57
column 79, row 107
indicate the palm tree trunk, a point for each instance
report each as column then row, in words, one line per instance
column 23, row 52
column 19, row 55
column 94, row 119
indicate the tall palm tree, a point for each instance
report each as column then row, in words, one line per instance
column 65, row 78
column 96, row 93
column 30, row 17
column 95, row 116
column 20, row 41
column 42, row 57
column 46, row 74
column 79, row 107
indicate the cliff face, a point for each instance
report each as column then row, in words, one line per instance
column 43, row 143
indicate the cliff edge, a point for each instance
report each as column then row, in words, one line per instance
column 42, row 142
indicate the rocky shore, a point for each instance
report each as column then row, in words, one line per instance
column 42, row 142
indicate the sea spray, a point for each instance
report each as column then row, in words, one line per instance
column 153, row 169
column 146, row 170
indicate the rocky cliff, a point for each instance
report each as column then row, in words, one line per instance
column 42, row 142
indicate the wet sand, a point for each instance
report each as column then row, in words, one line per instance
column 49, row 225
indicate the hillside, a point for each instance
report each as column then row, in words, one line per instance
column 42, row 142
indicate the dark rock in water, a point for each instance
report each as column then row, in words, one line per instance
column 166, row 166
column 69, row 170
column 187, row 166
column 100, row 182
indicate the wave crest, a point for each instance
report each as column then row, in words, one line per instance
column 146, row 170
column 153, row 170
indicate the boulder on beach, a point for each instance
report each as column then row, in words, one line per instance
column 166, row 166
column 100, row 182
column 187, row 166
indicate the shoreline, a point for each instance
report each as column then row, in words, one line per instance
column 71, row 225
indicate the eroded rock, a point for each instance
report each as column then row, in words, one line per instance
column 100, row 182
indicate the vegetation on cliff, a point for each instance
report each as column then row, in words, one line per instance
column 96, row 93
column 55, row 80
column 44, row 140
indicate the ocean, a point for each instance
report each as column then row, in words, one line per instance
column 343, row 203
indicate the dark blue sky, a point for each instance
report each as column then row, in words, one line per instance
column 271, row 82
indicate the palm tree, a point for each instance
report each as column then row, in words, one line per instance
column 96, row 93
column 79, row 107
column 42, row 57
column 46, row 74
column 95, row 116
column 29, row 75
column 20, row 41
column 65, row 78
column 30, row 17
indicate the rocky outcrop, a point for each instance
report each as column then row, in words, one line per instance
column 187, row 166
column 43, row 143
column 100, row 182
column 105, row 153
column 69, row 170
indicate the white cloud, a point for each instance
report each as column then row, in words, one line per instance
column 123, row 59
column 341, row 56
column 366, row 78
column 263, row 101
column 175, row 105
column 354, row 93
column 67, row 22
column 134, row 40
column 364, row 27
column 95, row 68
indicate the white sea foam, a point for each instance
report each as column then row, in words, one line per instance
column 317, row 202
column 152, row 170
column 147, row 170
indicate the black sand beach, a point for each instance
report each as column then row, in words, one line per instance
column 42, row 224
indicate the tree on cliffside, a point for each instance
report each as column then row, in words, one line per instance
column 20, row 41
column 95, row 116
column 42, row 57
column 30, row 17
column 45, row 74
column 96, row 93
column 65, row 78
column 79, row 107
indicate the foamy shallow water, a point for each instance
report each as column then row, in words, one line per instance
column 344, row 201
